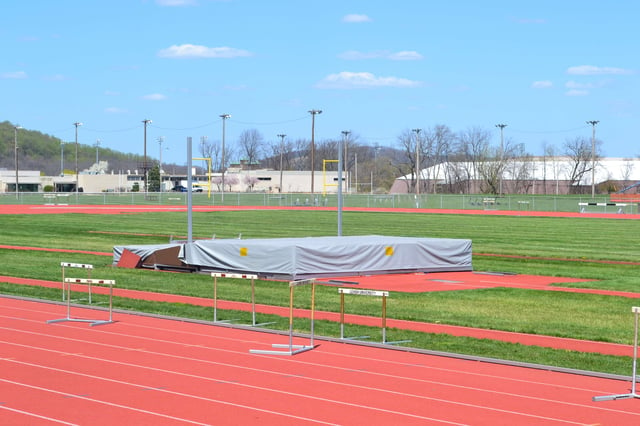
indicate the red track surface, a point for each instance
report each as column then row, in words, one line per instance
column 521, row 338
column 119, row 209
column 148, row 371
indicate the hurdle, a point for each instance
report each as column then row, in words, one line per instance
column 88, row 281
column 251, row 277
column 86, row 266
column 634, row 376
column 373, row 293
column 291, row 348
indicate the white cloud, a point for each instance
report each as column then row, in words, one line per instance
column 542, row 84
column 154, row 97
column 363, row 80
column 593, row 70
column 355, row 18
column 55, row 77
column 577, row 92
column 196, row 51
column 171, row 3
column 580, row 86
column 405, row 55
column 15, row 75
column 115, row 110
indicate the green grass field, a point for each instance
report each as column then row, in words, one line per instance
column 569, row 247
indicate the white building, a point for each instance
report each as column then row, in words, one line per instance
column 536, row 176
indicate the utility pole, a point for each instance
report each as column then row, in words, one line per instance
column 224, row 119
column 145, row 166
column 97, row 148
column 281, row 136
column 593, row 157
column 417, row 132
column 15, row 143
column 160, row 140
column 77, row 124
column 62, row 158
column 313, row 113
column 501, row 126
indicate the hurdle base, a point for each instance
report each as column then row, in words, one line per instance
column 262, row 324
column 615, row 397
column 397, row 342
column 90, row 321
column 291, row 351
column 356, row 338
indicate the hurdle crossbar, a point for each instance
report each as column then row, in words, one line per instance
column 372, row 293
column 251, row 277
column 634, row 375
column 86, row 266
column 86, row 281
column 292, row 349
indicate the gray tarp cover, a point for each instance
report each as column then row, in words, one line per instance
column 329, row 256
column 142, row 251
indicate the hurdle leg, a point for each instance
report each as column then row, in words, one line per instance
column 634, row 374
column 384, row 325
column 293, row 349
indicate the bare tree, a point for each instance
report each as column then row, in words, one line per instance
column 406, row 163
column 250, row 181
column 251, row 145
column 521, row 169
column 578, row 151
column 627, row 172
column 436, row 145
column 473, row 146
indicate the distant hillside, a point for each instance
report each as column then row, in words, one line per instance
column 38, row 151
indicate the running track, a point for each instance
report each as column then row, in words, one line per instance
column 149, row 371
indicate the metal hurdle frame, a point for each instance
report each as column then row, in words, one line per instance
column 636, row 311
column 86, row 266
column 88, row 281
column 251, row 277
column 291, row 348
column 374, row 293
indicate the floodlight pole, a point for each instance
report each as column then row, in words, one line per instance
column 417, row 132
column 97, row 150
column 77, row 124
column 145, row 167
column 160, row 140
column 62, row 158
column 593, row 157
column 281, row 136
column 313, row 113
column 15, row 143
column 224, row 119
column 501, row 126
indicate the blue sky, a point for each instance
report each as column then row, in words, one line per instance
column 376, row 68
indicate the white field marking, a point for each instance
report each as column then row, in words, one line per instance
column 483, row 375
column 26, row 413
column 379, row 360
column 96, row 400
column 201, row 398
column 319, row 380
column 385, row 361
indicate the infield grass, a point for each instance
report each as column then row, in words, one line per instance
column 568, row 247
